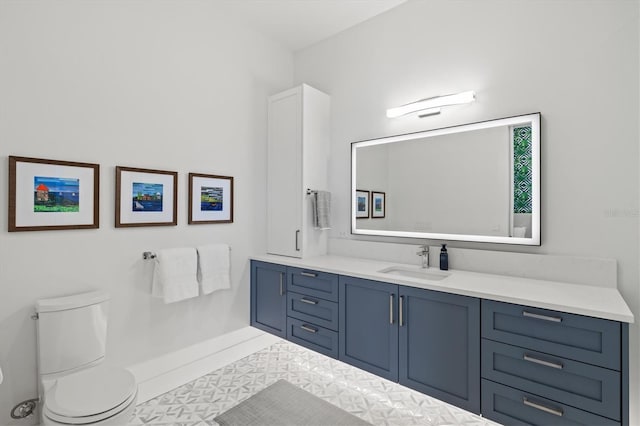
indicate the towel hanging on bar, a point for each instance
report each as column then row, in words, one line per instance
column 321, row 209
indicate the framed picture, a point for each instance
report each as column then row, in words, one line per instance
column 362, row 204
column 377, row 204
column 210, row 199
column 146, row 197
column 49, row 195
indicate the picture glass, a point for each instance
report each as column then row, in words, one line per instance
column 147, row 197
column 56, row 194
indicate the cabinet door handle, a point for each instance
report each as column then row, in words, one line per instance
column 308, row 301
column 541, row 317
column 308, row 274
column 281, row 283
column 555, row 411
column 391, row 297
column 309, row 328
column 400, row 312
column 297, row 235
column 535, row 360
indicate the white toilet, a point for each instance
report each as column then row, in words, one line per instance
column 75, row 386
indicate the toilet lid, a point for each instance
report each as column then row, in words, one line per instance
column 90, row 392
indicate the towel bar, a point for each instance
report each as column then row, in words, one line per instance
column 148, row 255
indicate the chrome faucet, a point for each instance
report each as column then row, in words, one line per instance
column 424, row 252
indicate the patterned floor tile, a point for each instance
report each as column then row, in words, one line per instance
column 362, row 394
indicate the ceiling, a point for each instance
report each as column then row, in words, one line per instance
column 297, row 24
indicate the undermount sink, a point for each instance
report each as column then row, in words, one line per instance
column 424, row 274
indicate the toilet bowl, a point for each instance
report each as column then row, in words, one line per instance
column 98, row 395
column 76, row 386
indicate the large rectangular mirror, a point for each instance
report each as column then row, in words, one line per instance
column 474, row 182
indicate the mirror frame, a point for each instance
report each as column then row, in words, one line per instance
column 533, row 118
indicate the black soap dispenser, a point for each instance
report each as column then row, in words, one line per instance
column 444, row 258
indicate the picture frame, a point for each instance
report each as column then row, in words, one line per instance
column 361, row 203
column 210, row 199
column 146, row 197
column 377, row 204
column 47, row 195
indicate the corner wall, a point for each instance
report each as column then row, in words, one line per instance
column 167, row 85
column 575, row 62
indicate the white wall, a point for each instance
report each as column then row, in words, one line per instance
column 575, row 62
column 170, row 85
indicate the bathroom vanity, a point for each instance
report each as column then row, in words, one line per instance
column 515, row 350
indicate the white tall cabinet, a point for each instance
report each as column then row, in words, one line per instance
column 297, row 160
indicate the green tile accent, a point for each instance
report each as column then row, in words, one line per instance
column 522, row 169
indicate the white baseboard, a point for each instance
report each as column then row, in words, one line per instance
column 167, row 372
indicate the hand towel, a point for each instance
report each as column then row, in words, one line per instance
column 213, row 268
column 321, row 209
column 174, row 275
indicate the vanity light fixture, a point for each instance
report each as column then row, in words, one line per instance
column 431, row 106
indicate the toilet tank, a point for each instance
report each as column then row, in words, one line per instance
column 72, row 331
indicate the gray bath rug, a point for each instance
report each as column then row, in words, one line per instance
column 285, row 404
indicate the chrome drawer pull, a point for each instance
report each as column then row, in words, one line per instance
column 541, row 317
column 555, row 411
column 281, row 283
column 308, row 301
column 309, row 329
column 308, row 274
column 400, row 313
column 391, row 296
column 557, row 365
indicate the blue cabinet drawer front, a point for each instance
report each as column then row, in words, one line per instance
column 313, row 309
column 511, row 406
column 313, row 337
column 313, row 283
column 580, row 385
column 591, row 340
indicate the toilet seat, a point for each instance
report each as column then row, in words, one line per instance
column 90, row 396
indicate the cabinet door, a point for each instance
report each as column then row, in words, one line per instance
column 268, row 297
column 440, row 346
column 284, row 174
column 368, row 326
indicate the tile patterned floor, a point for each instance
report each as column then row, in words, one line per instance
column 362, row 394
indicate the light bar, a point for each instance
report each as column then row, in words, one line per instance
column 432, row 104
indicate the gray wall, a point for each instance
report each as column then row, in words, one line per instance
column 576, row 62
column 168, row 85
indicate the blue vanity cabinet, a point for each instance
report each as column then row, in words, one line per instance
column 440, row 345
column 268, row 297
column 548, row 367
column 426, row 340
column 368, row 326
column 312, row 310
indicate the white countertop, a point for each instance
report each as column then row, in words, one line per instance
column 599, row 302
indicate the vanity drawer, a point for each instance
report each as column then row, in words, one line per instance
column 584, row 386
column 313, row 283
column 514, row 407
column 313, row 309
column 591, row 340
column 313, row 337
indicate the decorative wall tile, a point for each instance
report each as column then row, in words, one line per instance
column 522, row 169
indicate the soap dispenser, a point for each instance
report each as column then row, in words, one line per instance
column 444, row 258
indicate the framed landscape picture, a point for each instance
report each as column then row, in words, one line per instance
column 50, row 194
column 146, row 197
column 377, row 204
column 362, row 204
column 210, row 199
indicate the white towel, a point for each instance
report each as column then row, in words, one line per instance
column 213, row 268
column 321, row 208
column 174, row 275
